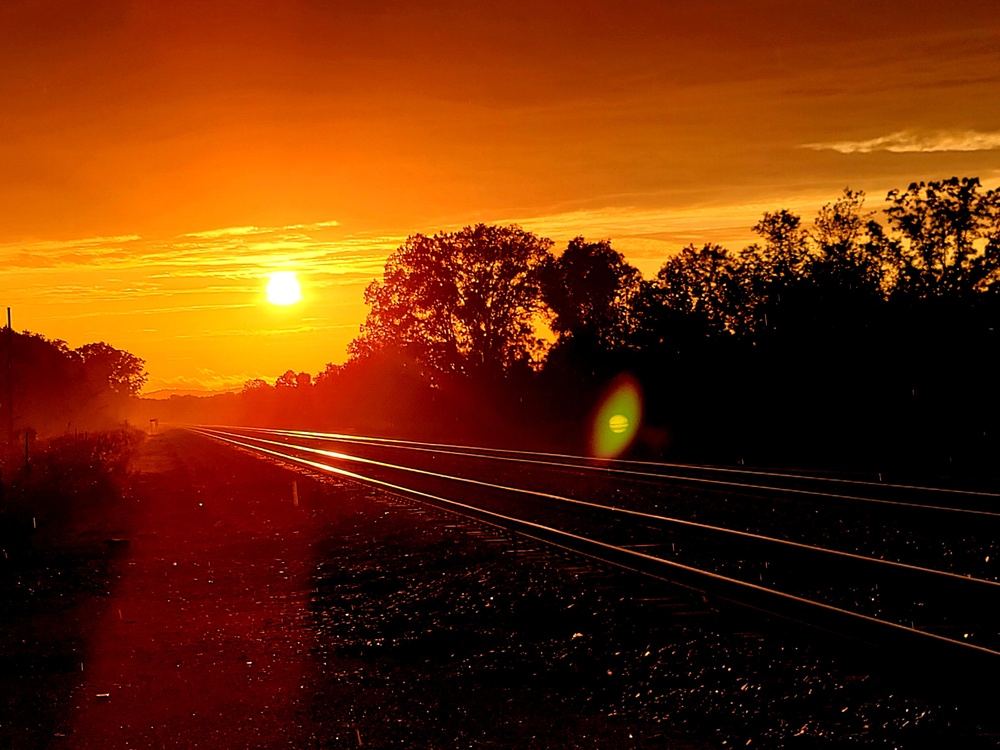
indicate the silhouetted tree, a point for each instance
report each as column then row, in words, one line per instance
column 851, row 249
column 287, row 379
column 462, row 303
column 698, row 290
column 770, row 274
column 591, row 290
column 56, row 388
column 785, row 250
column 950, row 236
column 329, row 375
column 120, row 371
column 945, row 315
column 255, row 385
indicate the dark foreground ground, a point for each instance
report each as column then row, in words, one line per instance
column 209, row 609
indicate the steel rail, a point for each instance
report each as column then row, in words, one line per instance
column 961, row 580
column 346, row 437
column 772, row 601
column 449, row 450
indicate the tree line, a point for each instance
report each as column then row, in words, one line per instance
column 48, row 388
column 862, row 336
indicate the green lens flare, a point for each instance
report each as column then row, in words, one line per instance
column 616, row 420
column 618, row 424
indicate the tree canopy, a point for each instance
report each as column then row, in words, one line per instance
column 591, row 291
column 55, row 387
column 120, row 371
column 463, row 302
column 948, row 236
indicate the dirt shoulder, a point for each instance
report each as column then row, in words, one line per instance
column 205, row 640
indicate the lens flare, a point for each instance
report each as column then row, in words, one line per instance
column 618, row 423
column 617, row 418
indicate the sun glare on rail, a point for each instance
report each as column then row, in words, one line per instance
column 283, row 288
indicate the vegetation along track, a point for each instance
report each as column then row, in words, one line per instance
column 904, row 567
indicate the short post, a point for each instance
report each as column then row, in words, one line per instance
column 295, row 494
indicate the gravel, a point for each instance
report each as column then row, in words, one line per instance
column 460, row 637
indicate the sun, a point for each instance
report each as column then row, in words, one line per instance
column 283, row 288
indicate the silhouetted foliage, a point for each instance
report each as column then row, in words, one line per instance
column 56, row 388
column 846, row 337
column 698, row 290
column 939, row 225
column 327, row 379
column 255, row 385
column 107, row 367
column 287, row 380
column 460, row 303
column 591, row 291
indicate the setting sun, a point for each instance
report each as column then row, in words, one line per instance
column 283, row 288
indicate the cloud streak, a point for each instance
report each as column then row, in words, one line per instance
column 232, row 253
column 907, row 142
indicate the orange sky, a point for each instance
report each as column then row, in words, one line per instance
column 159, row 159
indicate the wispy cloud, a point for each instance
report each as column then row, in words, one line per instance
column 228, row 232
column 905, row 142
column 315, row 225
column 119, row 239
column 104, row 313
column 234, row 253
column 251, row 230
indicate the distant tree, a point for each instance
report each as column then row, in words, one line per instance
column 288, row 379
column 848, row 270
column 329, row 375
column 55, row 387
column 840, row 225
column 255, row 385
column 120, row 371
column 949, row 236
column 851, row 248
column 464, row 302
column 591, row 291
column 785, row 251
column 771, row 273
column 699, row 285
column 303, row 380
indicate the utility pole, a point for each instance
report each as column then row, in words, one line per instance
column 10, row 381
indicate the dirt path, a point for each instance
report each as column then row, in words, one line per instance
column 205, row 642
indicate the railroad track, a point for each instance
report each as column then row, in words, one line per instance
column 900, row 566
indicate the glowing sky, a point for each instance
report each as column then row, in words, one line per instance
column 158, row 160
